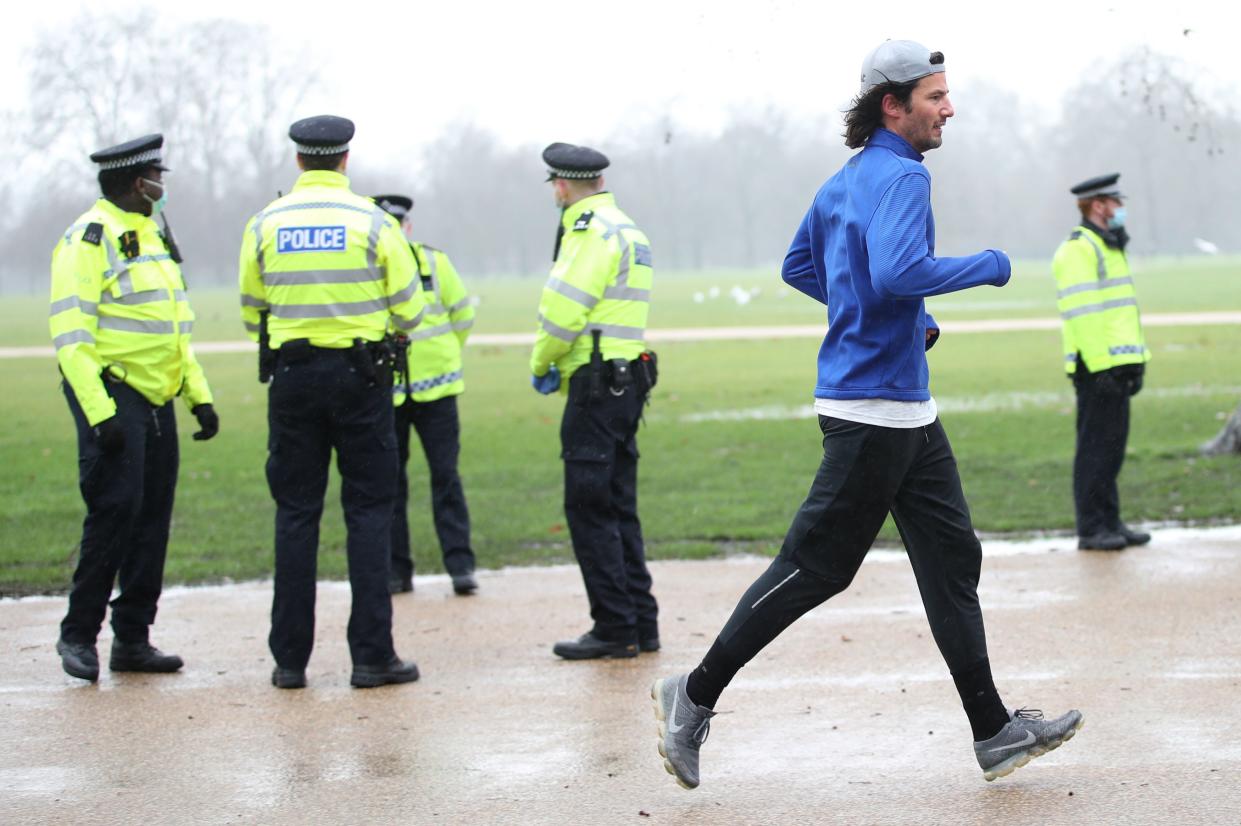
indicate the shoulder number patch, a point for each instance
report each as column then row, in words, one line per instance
column 583, row 220
column 93, row 234
column 310, row 239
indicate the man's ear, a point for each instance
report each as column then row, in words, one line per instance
column 891, row 107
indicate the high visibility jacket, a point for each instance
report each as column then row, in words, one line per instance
column 1100, row 324
column 328, row 266
column 435, row 344
column 601, row 280
column 119, row 305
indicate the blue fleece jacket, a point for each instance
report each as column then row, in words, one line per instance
column 866, row 249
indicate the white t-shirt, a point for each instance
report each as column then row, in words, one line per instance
column 881, row 412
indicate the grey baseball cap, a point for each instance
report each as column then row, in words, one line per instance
column 899, row 61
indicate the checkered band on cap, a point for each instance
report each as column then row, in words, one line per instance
column 574, row 173
column 306, row 149
column 143, row 157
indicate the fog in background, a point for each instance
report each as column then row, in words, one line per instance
column 727, row 196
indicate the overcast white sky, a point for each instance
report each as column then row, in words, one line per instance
column 538, row 71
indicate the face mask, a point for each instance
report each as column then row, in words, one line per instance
column 1118, row 219
column 157, row 204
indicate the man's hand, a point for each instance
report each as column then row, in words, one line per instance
column 207, row 420
column 110, row 435
column 547, row 383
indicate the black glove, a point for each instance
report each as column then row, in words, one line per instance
column 110, row 435
column 1130, row 377
column 207, row 420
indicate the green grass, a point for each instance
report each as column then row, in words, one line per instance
column 509, row 304
column 708, row 483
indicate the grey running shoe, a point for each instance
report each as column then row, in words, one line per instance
column 1026, row 736
column 683, row 728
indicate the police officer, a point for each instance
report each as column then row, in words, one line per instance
column 324, row 275
column 428, row 380
column 121, row 322
column 591, row 326
column 1104, row 354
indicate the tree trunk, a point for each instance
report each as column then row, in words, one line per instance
column 1227, row 440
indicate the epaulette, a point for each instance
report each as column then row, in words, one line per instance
column 583, row 220
column 93, row 234
column 1075, row 234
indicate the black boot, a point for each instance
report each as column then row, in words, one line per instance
column 464, row 584
column 142, row 656
column 1106, row 541
column 1133, row 537
column 590, row 647
column 78, row 660
column 395, row 670
column 288, row 677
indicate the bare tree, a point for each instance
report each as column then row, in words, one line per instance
column 220, row 98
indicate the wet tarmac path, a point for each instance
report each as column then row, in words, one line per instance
column 850, row 717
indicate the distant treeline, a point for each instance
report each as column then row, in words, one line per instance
column 707, row 200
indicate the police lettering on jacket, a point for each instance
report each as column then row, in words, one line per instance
column 310, row 239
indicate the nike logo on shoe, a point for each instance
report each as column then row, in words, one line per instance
column 673, row 728
column 1029, row 739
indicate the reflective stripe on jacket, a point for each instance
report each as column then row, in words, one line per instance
column 1098, row 307
column 328, row 265
column 118, row 302
column 602, row 280
column 435, row 344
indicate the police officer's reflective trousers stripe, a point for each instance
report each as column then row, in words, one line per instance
column 315, row 406
column 600, row 452
column 128, row 498
column 439, row 431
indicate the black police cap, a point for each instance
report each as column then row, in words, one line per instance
column 398, row 206
column 564, row 160
column 1101, row 186
column 144, row 151
column 322, row 135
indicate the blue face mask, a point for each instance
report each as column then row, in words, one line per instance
column 157, row 204
column 1118, row 218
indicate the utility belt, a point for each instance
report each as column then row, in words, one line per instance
column 616, row 377
column 373, row 360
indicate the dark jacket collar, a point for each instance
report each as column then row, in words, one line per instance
column 1114, row 238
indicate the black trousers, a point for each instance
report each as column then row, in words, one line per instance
column 439, row 430
column 867, row 472
column 316, row 405
column 598, row 438
column 1102, row 431
column 128, row 499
